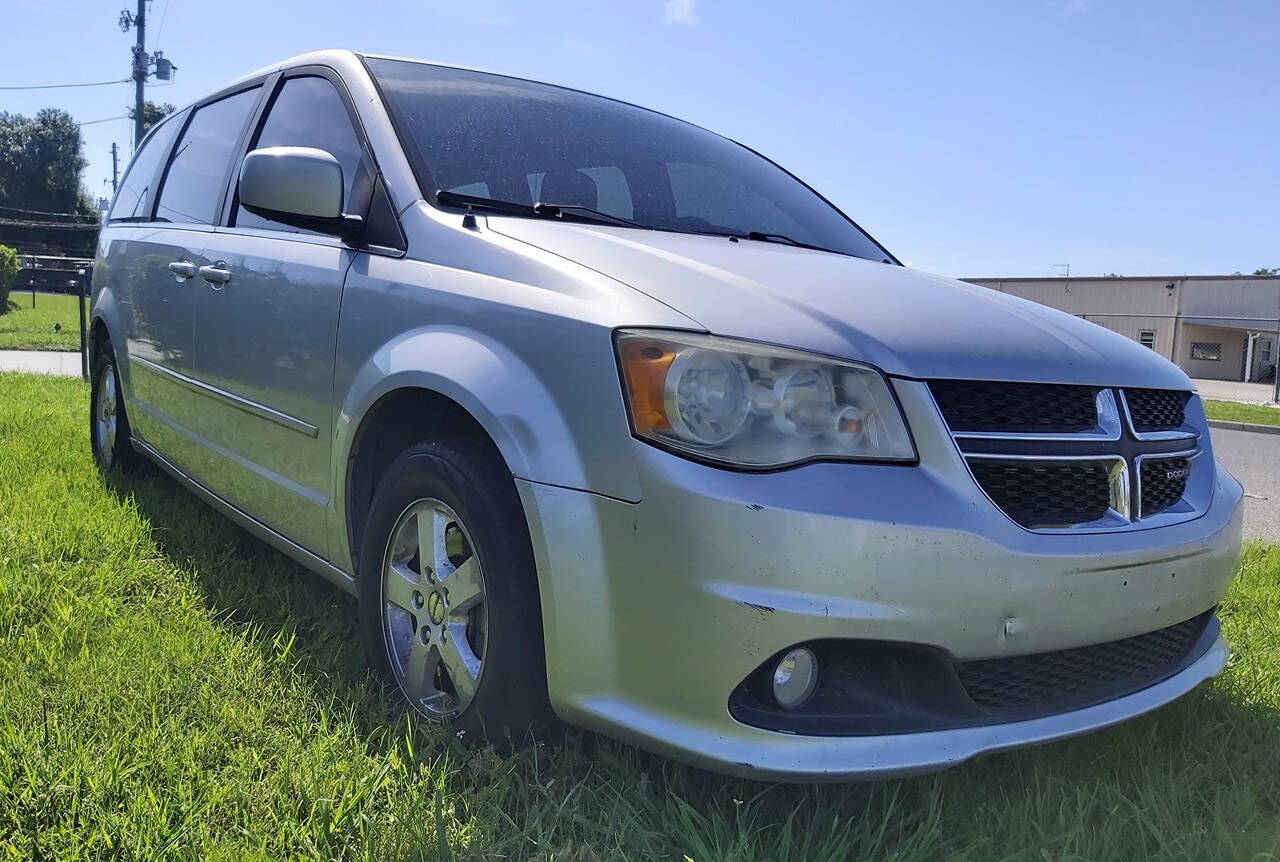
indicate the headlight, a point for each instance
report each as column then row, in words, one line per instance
column 750, row 405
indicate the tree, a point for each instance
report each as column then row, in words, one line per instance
column 41, row 163
column 8, row 269
column 152, row 114
column 1275, row 270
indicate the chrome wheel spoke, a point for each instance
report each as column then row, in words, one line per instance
column 431, row 524
column 420, row 671
column 433, row 592
column 460, row 663
column 401, row 588
column 464, row 588
column 105, row 414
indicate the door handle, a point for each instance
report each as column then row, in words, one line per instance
column 216, row 274
column 182, row 269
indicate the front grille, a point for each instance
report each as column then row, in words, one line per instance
column 1103, row 671
column 1164, row 481
column 1054, row 456
column 1046, row 493
column 1157, row 409
column 978, row 406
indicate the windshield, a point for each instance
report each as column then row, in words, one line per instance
column 493, row 137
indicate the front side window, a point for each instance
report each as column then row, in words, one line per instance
column 308, row 112
column 526, row 143
column 197, row 174
column 1209, row 351
column 133, row 200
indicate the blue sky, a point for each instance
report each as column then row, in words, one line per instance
column 972, row 138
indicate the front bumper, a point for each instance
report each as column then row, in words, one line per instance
column 654, row 612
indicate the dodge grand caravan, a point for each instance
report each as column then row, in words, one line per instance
column 609, row 420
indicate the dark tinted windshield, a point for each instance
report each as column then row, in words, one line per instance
column 503, row 138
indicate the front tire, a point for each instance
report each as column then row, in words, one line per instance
column 109, row 434
column 449, row 602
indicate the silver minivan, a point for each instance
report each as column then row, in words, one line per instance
column 609, row 420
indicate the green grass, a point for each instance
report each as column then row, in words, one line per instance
column 1233, row 412
column 25, row 328
column 169, row 686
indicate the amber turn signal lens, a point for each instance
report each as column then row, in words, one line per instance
column 644, row 367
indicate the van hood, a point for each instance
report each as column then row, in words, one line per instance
column 905, row 322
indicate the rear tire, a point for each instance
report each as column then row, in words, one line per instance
column 109, row 433
column 449, row 605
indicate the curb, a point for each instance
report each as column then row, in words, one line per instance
column 1244, row 426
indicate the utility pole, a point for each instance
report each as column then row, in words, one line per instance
column 140, row 67
column 142, row 63
column 115, row 167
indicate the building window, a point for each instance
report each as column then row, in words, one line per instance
column 1209, row 351
column 1264, row 354
column 1147, row 338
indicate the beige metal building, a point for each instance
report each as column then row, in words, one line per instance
column 1221, row 327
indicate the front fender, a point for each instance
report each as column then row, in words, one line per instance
column 474, row 371
column 105, row 308
column 552, row 428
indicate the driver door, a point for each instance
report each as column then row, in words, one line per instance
column 265, row 333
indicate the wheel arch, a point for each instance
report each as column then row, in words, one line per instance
column 105, row 323
column 399, row 418
column 479, row 385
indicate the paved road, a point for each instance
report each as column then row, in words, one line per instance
column 1254, row 459
column 41, row 362
column 1232, row 390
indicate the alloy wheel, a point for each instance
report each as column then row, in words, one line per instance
column 104, row 426
column 434, row 610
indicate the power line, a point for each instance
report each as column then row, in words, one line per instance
column 62, row 86
column 43, row 212
column 164, row 12
column 103, row 120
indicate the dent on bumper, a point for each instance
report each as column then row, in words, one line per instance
column 655, row 611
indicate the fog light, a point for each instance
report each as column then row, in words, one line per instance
column 795, row 678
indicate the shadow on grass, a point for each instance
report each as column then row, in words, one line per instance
column 249, row 585
column 1198, row 768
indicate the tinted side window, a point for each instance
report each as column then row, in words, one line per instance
column 133, row 200
column 308, row 112
column 194, row 182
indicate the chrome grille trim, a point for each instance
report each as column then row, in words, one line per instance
column 1117, row 481
column 1189, row 454
column 1107, row 427
column 1118, row 441
column 1186, row 432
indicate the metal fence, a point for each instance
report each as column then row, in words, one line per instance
column 40, row 273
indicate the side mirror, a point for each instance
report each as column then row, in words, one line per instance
column 298, row 186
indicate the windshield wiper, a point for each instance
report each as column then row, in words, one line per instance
column 761, row 236
column 572, row 210
column 539, row 210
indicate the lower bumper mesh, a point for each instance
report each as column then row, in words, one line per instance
column 1021, row 681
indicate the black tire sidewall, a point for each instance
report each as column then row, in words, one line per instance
column 510, row 704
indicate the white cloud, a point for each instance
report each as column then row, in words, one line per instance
column 680, row 12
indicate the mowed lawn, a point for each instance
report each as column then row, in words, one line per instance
column 171, row 687
column 23, row 327
column 1256, row 414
